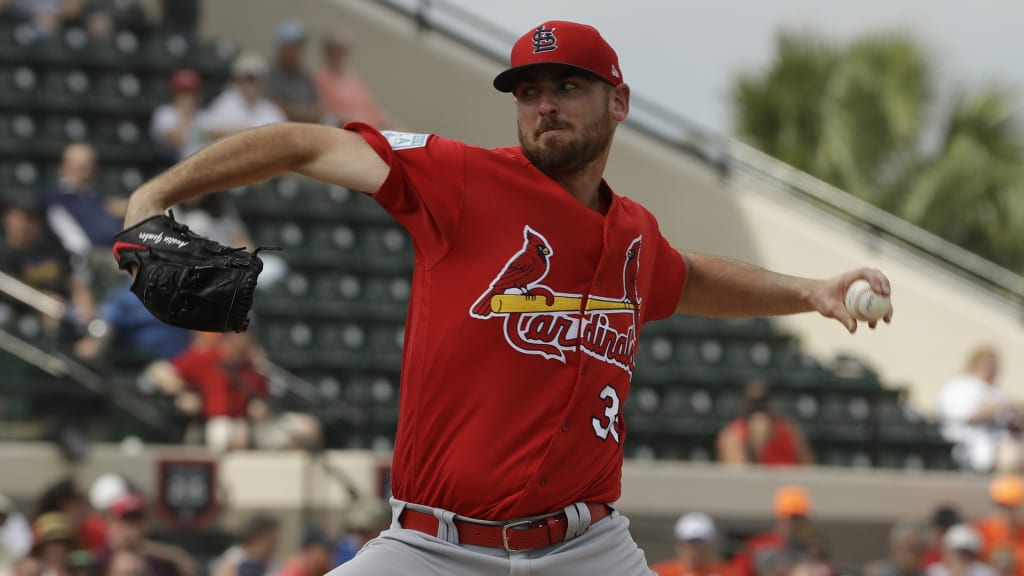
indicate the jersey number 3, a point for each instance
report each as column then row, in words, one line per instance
column 607, row 425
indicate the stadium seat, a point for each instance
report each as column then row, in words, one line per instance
column 68, row 47
column 121, row 180
column 17, row 40
column 121, row 93
column 66, row 89
column 19, row 86
column 122, row 50
column 19, row 133
column 20, row 174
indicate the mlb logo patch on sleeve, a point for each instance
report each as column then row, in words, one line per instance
column 405, row 140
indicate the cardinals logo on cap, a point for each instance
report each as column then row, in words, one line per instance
column 539, row 320
column 544, row 40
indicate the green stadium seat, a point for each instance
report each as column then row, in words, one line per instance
column 59, row 130
column 121, row 180
column 20, row 174
column 68, row 47
column 19, row 87
column 165, row 52
column 19, row 134
column 66, row 89
column 122, row 50
column 121, row 93
column 17, row 41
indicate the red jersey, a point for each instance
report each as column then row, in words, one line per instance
column 225, row 392
column 745, row 561
column 522, row 329
column 781, row 449
column 92, row 533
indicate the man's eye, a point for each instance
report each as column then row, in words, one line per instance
column 527, row 92
column 567, row 86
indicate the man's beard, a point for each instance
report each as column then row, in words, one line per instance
column 558, row 159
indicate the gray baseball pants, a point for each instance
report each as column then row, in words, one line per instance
column 605, row 548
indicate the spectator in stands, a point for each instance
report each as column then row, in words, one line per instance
column 254, row 553
column 27, row 566
column 344, row 94
column 123, row 324
column 960, row 548
column 126, row 531
column 75, row 209
column 1004, row 561
column 217, row 375
column 15, row 535
column 127, row 563
column 103, row 492
column 943, row 518
column 53, row 539
column 32, row 255
column 315, row 557
column 242, row 105
column 696, row 549
column 289, row 84
column 1004, row 531
column 367, row 520
column 907, row 542
column 67, row 497
column 760, row 436
column 792, row 535
column 172, row 127
column 43, row 15
column 977, row 415
column 221, row 375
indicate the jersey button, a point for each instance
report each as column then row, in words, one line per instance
column 543, row 481
column 565, row 426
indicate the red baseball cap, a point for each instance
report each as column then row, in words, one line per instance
column 561, row 42
column 185, row 80
column 127, row 504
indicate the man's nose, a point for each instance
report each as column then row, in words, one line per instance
column 548, row 104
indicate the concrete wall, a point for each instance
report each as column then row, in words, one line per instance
column 435, row 85
column 853, row 508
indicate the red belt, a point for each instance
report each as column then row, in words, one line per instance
column 512, row 536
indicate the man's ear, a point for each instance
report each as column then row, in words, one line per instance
column 620, row 101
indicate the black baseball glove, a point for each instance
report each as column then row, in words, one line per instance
column 187, row 280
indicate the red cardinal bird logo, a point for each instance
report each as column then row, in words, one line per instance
column 630, row 272
column 527, row 267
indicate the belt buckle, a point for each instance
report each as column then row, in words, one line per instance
column 504, row 533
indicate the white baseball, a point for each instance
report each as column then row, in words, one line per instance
column 865, row 304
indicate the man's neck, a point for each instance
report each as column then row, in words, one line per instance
column 585, row 185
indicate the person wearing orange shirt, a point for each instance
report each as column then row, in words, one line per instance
column 1004, row 531
column 696, row 549
column 343, row 92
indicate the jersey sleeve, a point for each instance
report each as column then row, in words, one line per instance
column 667, row 285
column 190, row 366
column 424, row 188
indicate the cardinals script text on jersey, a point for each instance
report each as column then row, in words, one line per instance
column 538, row 320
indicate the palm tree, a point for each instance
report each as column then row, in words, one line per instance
column 855, row 116
column 971, row 190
